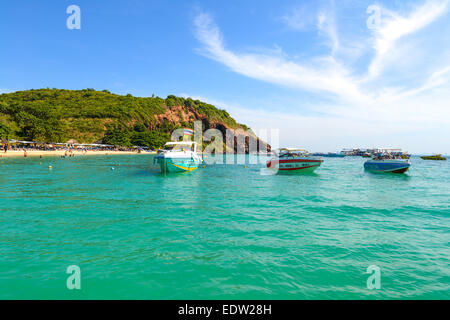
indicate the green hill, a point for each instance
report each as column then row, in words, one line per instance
column 88, row 116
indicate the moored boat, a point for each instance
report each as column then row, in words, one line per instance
column 178, row 157
column 386, row 162
column 434, row 157
column 335, row 155
column 329, row 155
column 293, row 160
column 387, row 165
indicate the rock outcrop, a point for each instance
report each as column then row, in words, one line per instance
column 239, row 139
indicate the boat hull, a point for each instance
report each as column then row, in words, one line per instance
column 177, row 165
column 387, row 166
column 294, row 166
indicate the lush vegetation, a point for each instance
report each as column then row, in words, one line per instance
column 88, row 116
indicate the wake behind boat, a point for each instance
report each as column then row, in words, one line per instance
column 178, row 157
column 387, row 162
column 292, row 160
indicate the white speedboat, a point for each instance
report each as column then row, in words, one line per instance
column 292, row 160
column 178, row 157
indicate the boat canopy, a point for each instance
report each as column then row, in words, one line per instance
column 180, row 144
column 288, row 152
column 390, row 150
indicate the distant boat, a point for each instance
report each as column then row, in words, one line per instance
column 357, row 152
column 386, row 162
column 336, row 155
column 293, row 160
column 434, row 157
column 178, row 157
column 329, row 155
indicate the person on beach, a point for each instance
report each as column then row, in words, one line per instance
column 25, row 153
column 5, row 147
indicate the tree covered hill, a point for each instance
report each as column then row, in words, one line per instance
column 88, row 116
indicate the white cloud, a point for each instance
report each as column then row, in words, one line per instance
column 327, row 26
column 326, row 75
column 394, row 27
column 333, row 132
column 363, row 107
column 437, row 79
column 300, row 18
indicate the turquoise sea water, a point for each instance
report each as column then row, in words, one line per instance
column 224, row 231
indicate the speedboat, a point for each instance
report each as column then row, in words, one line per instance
column 386, row 162
column 434, row 157
column 178, row 157
column 293, row 160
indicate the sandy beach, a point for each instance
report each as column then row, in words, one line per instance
column 39, row 153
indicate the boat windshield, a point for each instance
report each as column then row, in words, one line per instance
column 286, row 154
column 386, row 155
column 178, row 147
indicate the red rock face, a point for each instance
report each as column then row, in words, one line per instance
column 236, row 139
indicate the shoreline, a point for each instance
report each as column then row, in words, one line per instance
column 53, row 153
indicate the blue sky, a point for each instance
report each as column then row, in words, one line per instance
column 327, row 74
